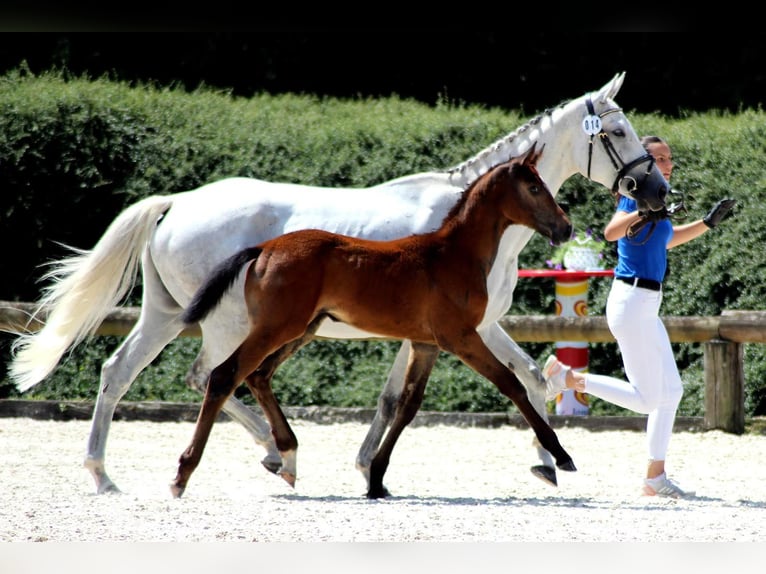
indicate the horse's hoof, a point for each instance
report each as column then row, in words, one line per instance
column 545, row 473
column 108, row 488
column 272, row 466
column 176, row 491
column 568, row 466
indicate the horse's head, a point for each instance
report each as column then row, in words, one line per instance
column 531, row 203
column 615, row 156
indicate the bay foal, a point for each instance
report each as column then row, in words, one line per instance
column 430, row 289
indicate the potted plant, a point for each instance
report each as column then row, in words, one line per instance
column 584, row 252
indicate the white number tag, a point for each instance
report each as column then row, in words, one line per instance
column 591, row 125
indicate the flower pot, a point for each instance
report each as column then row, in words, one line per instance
column 582, row 259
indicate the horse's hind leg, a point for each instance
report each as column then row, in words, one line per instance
column 152, row 332
column 259, row 429
column 421, row 361
column 387, row 402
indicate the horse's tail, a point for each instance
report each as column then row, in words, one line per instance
column 85, row 286
column 217, row 284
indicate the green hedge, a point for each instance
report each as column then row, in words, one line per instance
column 75, row 151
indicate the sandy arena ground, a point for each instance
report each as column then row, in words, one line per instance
column 448, row 484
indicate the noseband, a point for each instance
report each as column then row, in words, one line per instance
column 594, row 128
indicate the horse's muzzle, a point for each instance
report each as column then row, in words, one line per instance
column 645, row 184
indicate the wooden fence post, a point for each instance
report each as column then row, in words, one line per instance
column 724, row 386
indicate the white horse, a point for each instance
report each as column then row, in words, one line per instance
column 180, row 238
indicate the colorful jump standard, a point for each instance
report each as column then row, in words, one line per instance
column 571, row 301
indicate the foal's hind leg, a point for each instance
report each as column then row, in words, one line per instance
column 197, row 378
column 284, row 437
column 259, row 383
column 421, row 361
column 223, row 381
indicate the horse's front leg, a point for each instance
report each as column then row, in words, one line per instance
column 526, row 369
column 387, row 401
column 422, row 358
column 474, row 353
column 223, row 381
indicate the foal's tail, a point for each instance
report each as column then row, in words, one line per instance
column 217, row 284
column 84, row 288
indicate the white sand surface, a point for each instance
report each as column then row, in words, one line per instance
column 448, row 484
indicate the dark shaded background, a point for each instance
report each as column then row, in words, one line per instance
column 667, row 72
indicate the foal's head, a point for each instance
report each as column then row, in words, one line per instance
column 527, row 200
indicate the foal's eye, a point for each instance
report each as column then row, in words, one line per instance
column 534, row 189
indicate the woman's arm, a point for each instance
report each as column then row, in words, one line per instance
column 687, row 232
column 619, row 224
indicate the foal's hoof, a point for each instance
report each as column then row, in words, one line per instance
column 568, row 465
column 378, row 492
column 545, row 473
column 288, row 477
column 176, row 490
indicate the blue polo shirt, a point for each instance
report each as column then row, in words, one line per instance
column 639, row 257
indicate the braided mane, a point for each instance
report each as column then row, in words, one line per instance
column 465, row 173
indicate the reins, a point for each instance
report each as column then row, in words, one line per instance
column 676, row 212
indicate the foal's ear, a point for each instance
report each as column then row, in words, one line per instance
column 532, row 156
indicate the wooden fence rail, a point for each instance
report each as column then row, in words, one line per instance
column 723, row 338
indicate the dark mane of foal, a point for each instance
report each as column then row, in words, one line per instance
column 494, row 172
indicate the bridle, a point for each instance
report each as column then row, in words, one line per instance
column 594, row 127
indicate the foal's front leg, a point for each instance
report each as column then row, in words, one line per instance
column 474, row 353
column 526, row 369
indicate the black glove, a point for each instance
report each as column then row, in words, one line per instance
column 718, row 212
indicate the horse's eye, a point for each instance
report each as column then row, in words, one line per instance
column 619, row 132
column 534, row 189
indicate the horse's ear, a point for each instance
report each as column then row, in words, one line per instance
column 610, row 89
column 532, row 156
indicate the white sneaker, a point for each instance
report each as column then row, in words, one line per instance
column 663, row 486
column 555, row 373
